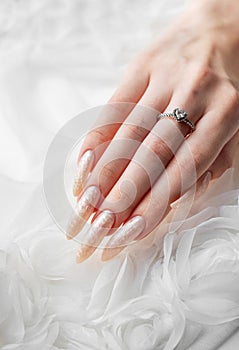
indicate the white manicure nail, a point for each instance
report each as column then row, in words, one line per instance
column 127, row 233
column 84, row 208
column 84, row 167
column 183, row 200
column 99, row 229
column 89, row 198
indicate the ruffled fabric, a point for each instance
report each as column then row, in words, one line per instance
column 57, row 58
column 146, row 297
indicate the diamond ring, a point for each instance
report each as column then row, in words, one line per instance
column 179, row 115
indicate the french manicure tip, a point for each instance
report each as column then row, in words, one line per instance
column 110, row 253
column 105, row 256
column 80, row 258
column 84, row 252
column 69, row 235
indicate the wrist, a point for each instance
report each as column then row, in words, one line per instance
column 220, row 16
column 217, row 19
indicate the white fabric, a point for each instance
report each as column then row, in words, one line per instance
column 58, row 58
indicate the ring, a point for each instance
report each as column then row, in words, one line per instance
column 179, row 115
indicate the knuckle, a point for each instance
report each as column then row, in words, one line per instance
column 135, row 71
column 204, row 76
column 189, row 163
column 160, row 148
column 120, row 201
column 125, row 197
column 205, row 73
column 108, row 171
column 97, row 134
column 119, row 96
column 138, row 66
column 138, row 62
column 134, row 132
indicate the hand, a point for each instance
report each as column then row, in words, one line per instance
column 193, row 65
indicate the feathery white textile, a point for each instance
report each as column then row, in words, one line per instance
column 57, row 58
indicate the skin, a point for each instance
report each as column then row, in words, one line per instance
column 192, row 65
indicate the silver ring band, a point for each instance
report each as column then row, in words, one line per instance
column 179, row 115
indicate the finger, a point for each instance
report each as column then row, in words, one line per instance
column 163, row 140
column 111, row 117
column 119, row 153
column 113, row 162
column 159, row 101
column 153, row 155
column 220, row 137
column 148, row 162
column 225, row 160
column 125, row 143
column 170, row 185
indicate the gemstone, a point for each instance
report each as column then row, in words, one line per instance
column 179, row 114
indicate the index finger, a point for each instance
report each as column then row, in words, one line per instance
column 107, row 123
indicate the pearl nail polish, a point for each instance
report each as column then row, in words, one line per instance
column 84, row 167
column 84, row 208
column 126, row 234
column 98, row 230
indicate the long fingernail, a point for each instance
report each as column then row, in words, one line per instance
column 183, row 200
column 98, row 230
column 127, row 233
column 84, row 209
column 84, row 167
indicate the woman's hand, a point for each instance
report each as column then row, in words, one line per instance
column 140, row 165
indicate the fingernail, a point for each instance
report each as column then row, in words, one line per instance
column 98, row 230
column 84, row 208
column 84, row 167
column 183, row 200
column 127, row 233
